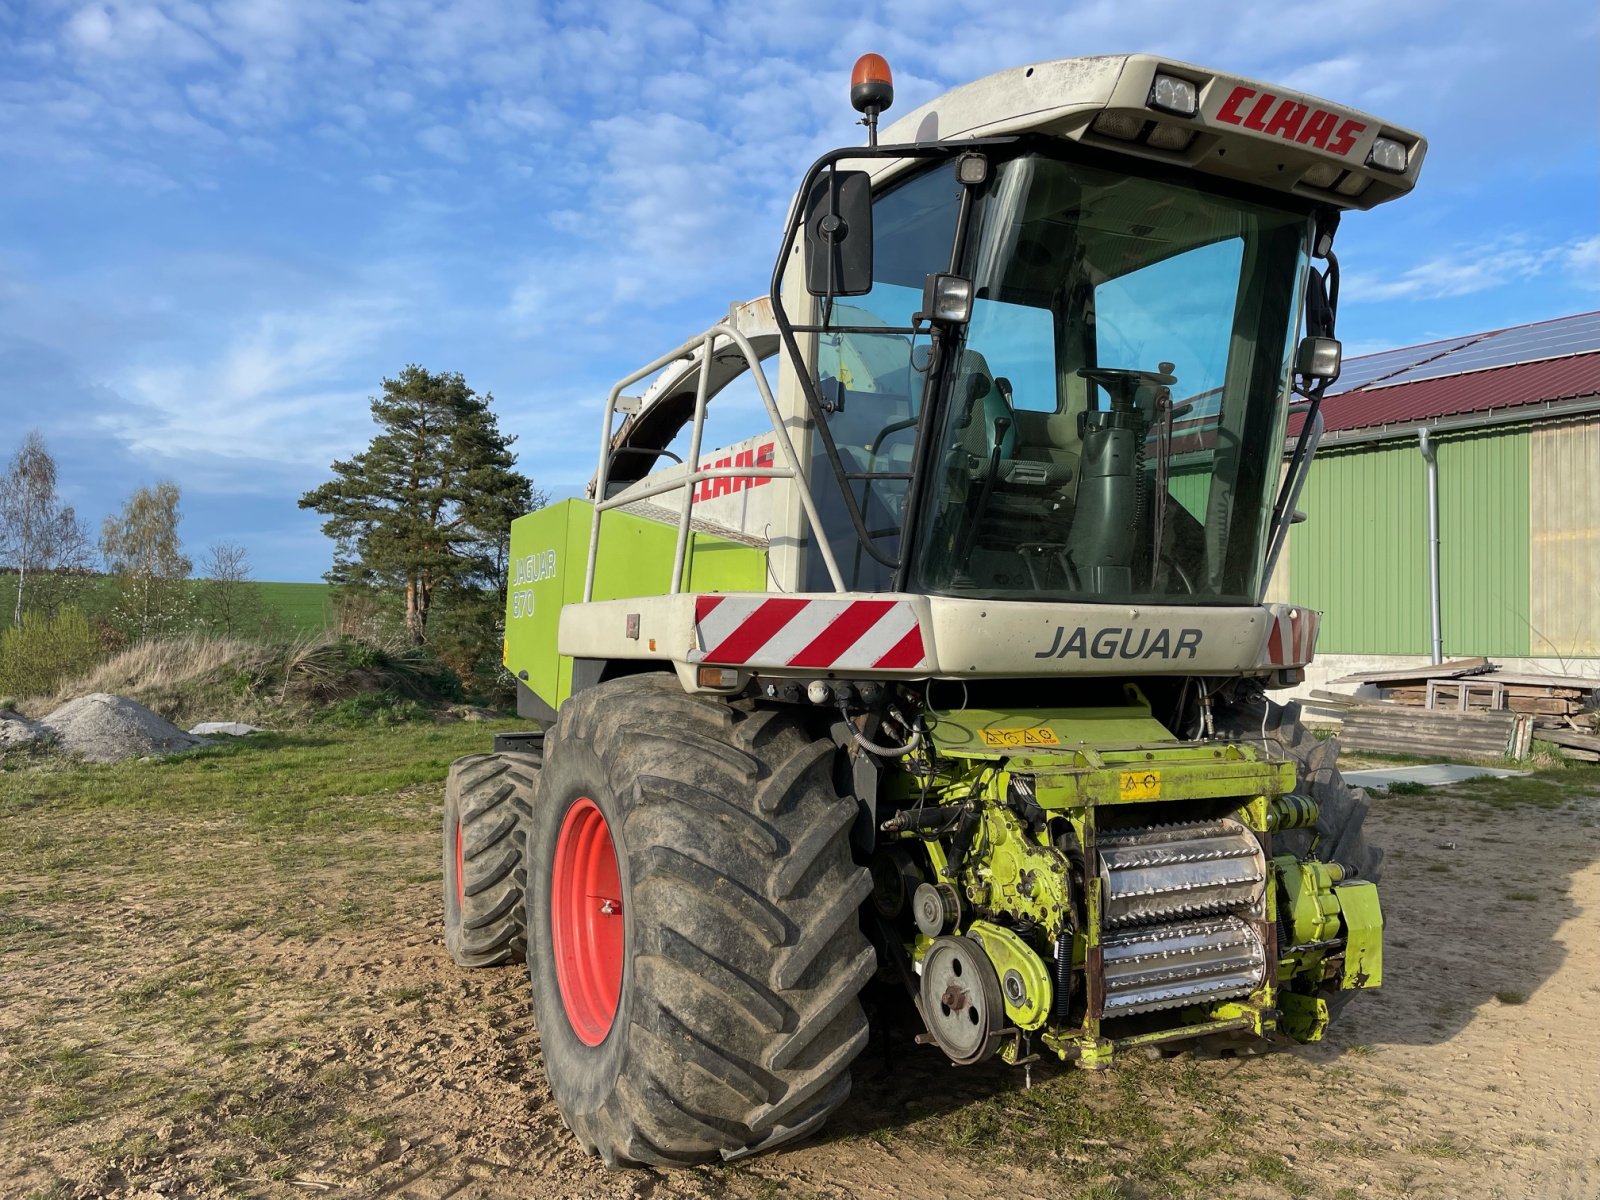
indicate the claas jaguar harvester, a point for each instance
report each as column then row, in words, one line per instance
column 950, row 677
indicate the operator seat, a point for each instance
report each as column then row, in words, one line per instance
column 1017, row 505
column 985, row 407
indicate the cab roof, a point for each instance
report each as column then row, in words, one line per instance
column 1240, row 128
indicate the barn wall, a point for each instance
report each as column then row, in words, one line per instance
column 1564, row 507
column 1483, row 542
column 1362, row 554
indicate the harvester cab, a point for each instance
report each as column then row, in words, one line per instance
column 952, row 672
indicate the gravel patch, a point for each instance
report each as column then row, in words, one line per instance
column 104, row 728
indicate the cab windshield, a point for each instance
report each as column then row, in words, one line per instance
column 1110, row 423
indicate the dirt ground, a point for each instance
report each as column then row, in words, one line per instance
column 197, row 1005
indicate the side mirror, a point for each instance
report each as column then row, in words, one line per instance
column 1318, row 358
column 839, row 235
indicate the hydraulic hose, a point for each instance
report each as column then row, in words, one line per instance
column 873, row 747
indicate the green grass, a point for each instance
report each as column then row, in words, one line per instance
column 1145, row 1129
column 1442, row 1148
column 1547, row 789
column 297, row 607
column 300, row 832
column 282, row 781
column 300, row 607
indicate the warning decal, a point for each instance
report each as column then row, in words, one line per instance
column 1139, row 785
column 1012, row 739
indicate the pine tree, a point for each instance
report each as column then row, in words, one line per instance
column 427, row 507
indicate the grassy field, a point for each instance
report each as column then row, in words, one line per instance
column 301, row 607
column 220, row 975
column 297, row 607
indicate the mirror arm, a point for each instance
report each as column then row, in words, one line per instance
column 787, row 329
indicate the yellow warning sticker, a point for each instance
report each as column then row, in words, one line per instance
column 1140, row 785
column 1011, row 739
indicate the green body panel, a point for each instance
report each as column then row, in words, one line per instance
column 1008, row 953
column 1110, row 755
column 1157, row 773
column 1362, row 554
column 962, row 734
column 1363, row 925
column 549, row 552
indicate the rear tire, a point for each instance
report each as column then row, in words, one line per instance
column 723, row 1017
column 488, row 799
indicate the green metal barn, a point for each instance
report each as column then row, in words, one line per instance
column 1511, row 420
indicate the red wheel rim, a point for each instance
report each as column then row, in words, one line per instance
column 461, row 874
column 586, row 921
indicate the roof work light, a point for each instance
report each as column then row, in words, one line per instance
column 1388, row 155
column 1169, row 94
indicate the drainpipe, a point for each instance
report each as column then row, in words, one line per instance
column 1430, row 455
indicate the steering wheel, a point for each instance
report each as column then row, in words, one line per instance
column 1122, row 384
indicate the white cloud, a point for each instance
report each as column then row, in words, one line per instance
column 146, row 32
column 90, row 28
column 287, row 387
column 443, row 141
column 1468, row 269
column 1582, row 261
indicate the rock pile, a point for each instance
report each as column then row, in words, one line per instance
column 19, row 733
column 104, row 728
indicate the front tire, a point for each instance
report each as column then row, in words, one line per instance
column 710, row 1006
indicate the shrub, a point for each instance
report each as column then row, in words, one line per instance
column 38, row 654
column 1405, row 787
column 372, row 709
column 327, row 670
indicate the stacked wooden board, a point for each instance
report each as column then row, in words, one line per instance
column 1469, row 707
column 1383, row 727
column 1585, row 747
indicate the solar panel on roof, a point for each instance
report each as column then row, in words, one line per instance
column 1526, row 343
column 1369, row 367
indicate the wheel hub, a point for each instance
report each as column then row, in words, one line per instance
column 586, row 921
column 461, row 868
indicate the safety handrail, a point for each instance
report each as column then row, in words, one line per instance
column 705, row 344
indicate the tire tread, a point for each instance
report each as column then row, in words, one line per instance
column 745, row 1003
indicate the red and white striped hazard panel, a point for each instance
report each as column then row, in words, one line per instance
column 784, row 631
column 1293, row 640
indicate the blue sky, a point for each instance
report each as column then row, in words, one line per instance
column 224, row 221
